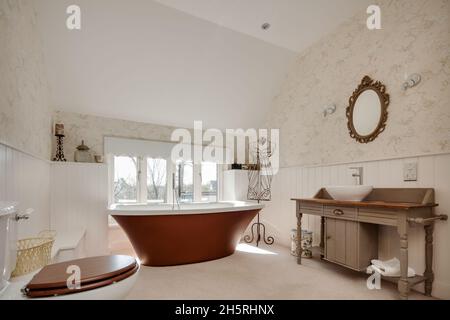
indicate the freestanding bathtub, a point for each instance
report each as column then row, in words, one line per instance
column 193, row 233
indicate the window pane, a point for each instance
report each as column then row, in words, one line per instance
column 209, row 181
column 184, row 181
column 156, row 180
column 125, row 179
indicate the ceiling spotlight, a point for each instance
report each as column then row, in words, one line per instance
column 265, row 26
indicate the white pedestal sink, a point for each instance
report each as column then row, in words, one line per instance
column 349, row 193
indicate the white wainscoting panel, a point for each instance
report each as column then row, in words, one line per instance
column 79, row 199
column 26, row 180
column 433, row 172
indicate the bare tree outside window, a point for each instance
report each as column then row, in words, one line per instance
column 125, row 179
column 156, row 179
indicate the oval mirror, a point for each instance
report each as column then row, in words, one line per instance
column 367, row 110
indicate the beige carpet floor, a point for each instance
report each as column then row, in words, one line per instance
column 271, row 273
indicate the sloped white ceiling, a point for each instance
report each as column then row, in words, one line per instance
column 144, row 61
column 295, row 24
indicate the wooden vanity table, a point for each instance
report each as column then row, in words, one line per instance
column 349, row 229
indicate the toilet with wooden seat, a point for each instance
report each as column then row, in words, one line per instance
column 92, row 278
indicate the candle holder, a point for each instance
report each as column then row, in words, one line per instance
column 59, row 148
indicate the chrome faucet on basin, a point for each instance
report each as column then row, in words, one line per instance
column 357, row 192
column 358, row 175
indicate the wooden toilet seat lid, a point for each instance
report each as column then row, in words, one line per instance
column 95, row 272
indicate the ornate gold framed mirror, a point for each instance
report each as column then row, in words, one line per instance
column 367, row 111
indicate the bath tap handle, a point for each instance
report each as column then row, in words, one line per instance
column 24, row 216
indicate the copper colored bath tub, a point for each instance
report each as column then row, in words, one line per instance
column 175, row 239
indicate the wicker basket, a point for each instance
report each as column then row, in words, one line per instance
column 34, row 253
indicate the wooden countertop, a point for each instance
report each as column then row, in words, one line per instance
column 367, row 204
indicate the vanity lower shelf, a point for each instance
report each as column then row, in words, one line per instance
column 411, row 280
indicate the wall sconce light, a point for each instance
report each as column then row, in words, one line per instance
column 411, row 81
column 329, row 110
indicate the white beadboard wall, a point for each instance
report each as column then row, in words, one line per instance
column 26, row 179
column 79, row 198
column 433, row 172
column 64, row 196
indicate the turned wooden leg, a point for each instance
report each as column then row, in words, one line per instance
column 299, row 238
column 403, row 284
column 322, row 237
column 429, row 259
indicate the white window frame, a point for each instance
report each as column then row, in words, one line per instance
column 218, row 168
column 111, row 200
column 170, row 167
column 143, row 181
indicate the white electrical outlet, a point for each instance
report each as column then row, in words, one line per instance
column 410, row 171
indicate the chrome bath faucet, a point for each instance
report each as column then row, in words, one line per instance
column 175, row 198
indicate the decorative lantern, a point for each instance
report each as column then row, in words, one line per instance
column 82, row 154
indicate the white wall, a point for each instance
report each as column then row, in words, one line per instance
column 415, row 37
column 234, row 185
column 26, row 179
column 64, row 196
column 79, row 198
column 25, row 113
column 433, row 171
column 25, row 116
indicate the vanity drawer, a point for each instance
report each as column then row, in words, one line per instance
column 311, row 209
column 340, row 212
column 382, row 217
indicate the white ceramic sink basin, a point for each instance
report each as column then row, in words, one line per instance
column 349, row 193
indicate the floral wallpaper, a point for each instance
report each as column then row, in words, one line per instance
column 25, row 113
column 93, row 129
column 415, row 38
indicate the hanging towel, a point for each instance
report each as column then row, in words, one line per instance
column 389, row 268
